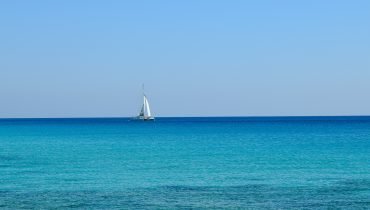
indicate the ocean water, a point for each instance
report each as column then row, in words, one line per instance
column 186, row 163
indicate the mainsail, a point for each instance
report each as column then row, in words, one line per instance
column 147, row 107
column 142, row 111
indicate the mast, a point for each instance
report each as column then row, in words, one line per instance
column 144, row 102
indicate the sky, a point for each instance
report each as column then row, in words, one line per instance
column 196, row 58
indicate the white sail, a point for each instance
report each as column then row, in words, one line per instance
column 147, row 107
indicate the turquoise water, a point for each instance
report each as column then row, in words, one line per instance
column 226, row 163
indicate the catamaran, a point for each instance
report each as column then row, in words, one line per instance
column 145, row 113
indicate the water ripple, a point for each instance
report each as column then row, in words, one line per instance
column 197, row 197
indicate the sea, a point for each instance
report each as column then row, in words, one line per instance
column 185, row 163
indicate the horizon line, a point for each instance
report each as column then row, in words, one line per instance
column 220, row 116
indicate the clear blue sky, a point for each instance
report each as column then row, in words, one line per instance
column 197, row 58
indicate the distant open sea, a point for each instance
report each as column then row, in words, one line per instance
column 186, row 163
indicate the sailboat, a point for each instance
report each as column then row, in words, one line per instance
column 145, row 113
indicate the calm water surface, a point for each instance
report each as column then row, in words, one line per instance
column 226, row 163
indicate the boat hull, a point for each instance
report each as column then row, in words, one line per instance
column 144, row 118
